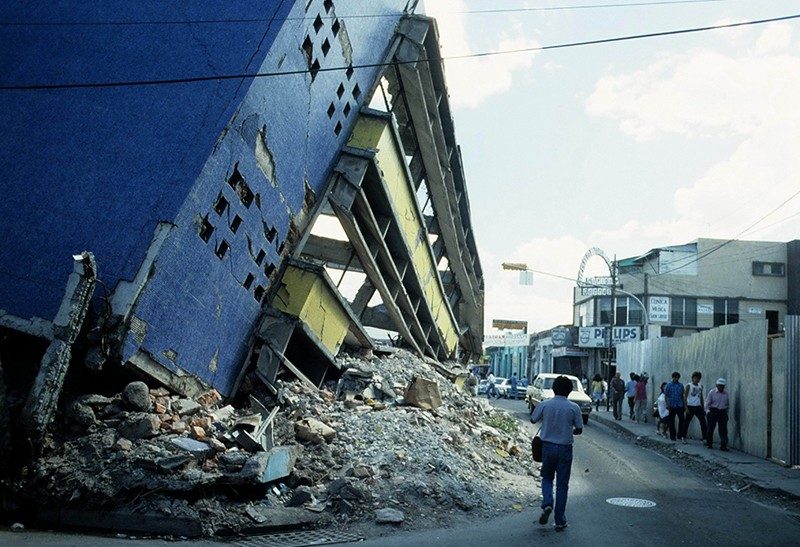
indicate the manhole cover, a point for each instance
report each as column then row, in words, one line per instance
column 631, row 502
column 295, row 539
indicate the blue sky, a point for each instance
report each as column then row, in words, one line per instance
column 624, row 146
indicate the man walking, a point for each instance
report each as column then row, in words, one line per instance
column 717, row 407
column 514, row 385
column 630, row 392
column 693, row 400
column 561, row 419
column 674, row 395
column 491, row 389
column 617, row 395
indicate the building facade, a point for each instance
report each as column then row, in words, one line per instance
column 686, row 289
column 193, row 161
column 507, row 354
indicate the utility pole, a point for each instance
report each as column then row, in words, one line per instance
column 613, row 313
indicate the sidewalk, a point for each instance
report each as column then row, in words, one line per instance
column 761, row 473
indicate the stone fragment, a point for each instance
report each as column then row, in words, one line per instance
column 169, row 464
column 160, row 409
column 216, row 444
column 361, row 471
column 136, row 396
column 94, row 400
column 179, row 427
column 198, row 433
column 423, row 394
column 17, row 527
column 123, row 444
column 387, row 515
column 159, row 392
column 80, row 414
column 196, row 448
column 139, row 425
column 202, row 422
column 233, row 460
column 223, row 414
column 300, row 496
column 185, row 407
column 313, row 430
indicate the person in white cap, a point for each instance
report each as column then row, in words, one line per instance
column 717, row 408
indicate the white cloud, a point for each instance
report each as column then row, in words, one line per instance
column 750, row 96
column 473, row 80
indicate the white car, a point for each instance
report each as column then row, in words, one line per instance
column 541, row 389
column 504, row 389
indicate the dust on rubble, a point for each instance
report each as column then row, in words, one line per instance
column 343, row 456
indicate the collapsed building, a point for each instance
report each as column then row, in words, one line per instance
column 168, row 182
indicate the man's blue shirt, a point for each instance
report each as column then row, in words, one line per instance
column 673, row 392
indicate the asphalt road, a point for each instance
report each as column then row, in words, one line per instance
column 690, row 510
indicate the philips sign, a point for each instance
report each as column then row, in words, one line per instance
column 597, row 337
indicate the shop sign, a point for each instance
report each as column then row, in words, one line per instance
column 659, row 309
column 705, row 309
column 597, row 337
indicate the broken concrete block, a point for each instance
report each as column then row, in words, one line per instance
column 185, row 407
column 423, row 394
column 313, row 430
column 387, row 515
column 196, row 448
column 139, row 425
column 179, row 427
column 159, row 392
column 266, row 467
column 361, row 471
column 233, row 460
column 136, row 396
column 172, row 463
column 94, row 400
column 348, row 489
column 216, row 444
column 223, row 414
column 198, row 433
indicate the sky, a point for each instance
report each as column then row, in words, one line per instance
column 624, row 146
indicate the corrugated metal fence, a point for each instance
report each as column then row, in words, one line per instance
column 763, row 380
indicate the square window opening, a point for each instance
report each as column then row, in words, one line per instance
column 349, row 72
column 221, row 204
column 308, row 49
column 328, row 5
column 346, row 110
column 318, row 24
column 269, row 269
column 258, row 293
column 248, row 281
column 235, row 223
column 331, row 110
column 340, row 91
column 206, row 230
column 335, row 28
column 260, row 257
column 356, row 92
column 314, row 70
column 338, row 128
column 326, row 47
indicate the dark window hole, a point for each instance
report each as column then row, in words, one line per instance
column 206, row 229
column 248, row 281
column 314, row 69
column 308, row 49
column 270, row 233
column 335, row 28
column 258, row 200
column 222, row 249
column 318, row 24
column 346, row 110
column 260, row 257
column 235, row 223
column 328, row 5
column 326, row 47
column 331, row 110
column 269, row 269
column 221, row 204
column 281, row 247
column 340, row 91
column 349, row 72
column 338, row 128
column 356, row 92
column 258, row 293
column 235, row 178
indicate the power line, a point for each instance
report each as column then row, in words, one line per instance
column 195, row 79
column 343, row 16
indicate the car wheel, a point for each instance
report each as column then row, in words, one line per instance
column 585, row 419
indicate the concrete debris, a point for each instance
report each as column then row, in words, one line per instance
column 136, row 397
column 387, row 515
column 289, row 454
column 313, row 430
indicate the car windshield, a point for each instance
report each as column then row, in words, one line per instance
column 548, row 384
column 499, row 380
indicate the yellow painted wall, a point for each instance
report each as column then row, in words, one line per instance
column 376, row 134
column 306, row 296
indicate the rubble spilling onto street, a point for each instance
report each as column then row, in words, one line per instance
column 388, row 441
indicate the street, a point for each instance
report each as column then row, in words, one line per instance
column 689, row 509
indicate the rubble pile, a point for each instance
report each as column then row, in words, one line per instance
column 388, row 441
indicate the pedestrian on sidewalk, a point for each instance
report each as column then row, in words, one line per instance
column 607, row 393
column 491, row 389
column 663, row 413
column 674, row 394
column 514, row 385
column 617, row 395
column 597, row 391
column 693, row 400
column 717, row 404
column 640, row 399
column 561, row 419
column 630, row 391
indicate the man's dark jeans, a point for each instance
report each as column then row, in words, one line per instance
column 556, row 462
column 617, row 402
column 698, row 411
column 631, row 403
column 675, row 411
column 717, row 416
